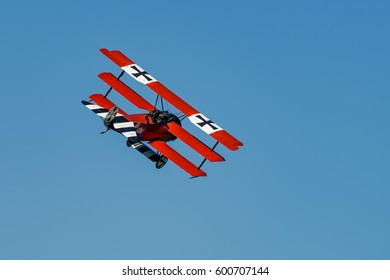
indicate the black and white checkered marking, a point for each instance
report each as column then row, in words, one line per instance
column 204, row 123
column 120, row 123
column 139, row 74
column 143, row 149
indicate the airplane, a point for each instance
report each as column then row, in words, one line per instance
column 156, row 126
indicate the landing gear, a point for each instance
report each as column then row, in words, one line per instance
column 104, row 131
column 161, row 162
column 129, row 143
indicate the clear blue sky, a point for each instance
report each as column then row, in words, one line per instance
column 304, row 84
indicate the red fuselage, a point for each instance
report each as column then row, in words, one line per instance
column 154, row 132
column 157, row 131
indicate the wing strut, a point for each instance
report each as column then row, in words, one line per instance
column 204, row 160
column 118, row 78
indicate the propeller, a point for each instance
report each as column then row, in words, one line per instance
column 109, row 118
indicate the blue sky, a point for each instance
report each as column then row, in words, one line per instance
column 304, row 84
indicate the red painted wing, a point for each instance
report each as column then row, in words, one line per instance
column 193, row 142
column 177, row 158
column 117, row 57
column 100, row 100
column 104, row 102
column 194, row 116
column 125, row 91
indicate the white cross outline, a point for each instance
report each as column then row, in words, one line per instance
column 139, row 74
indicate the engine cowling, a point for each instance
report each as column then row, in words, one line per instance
column 161, row 117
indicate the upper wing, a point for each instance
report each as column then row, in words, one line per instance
column 194, row 115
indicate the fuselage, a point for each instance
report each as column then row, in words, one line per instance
column 157, row 130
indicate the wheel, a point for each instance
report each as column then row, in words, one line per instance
column 161, row 162
column 128, row 143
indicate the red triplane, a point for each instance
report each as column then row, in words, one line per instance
column 156, row 127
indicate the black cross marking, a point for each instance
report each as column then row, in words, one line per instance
column 204, row 122
column 141, row 73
